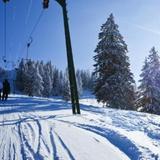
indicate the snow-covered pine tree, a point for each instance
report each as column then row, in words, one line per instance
column 47, row 81
column 149, row 89
column 60, row 88
column 37, row 82
column 79, row 82
column 86, row 77
column 114, row 80
column 41, row 69
column 66, row 87
column 20, row 76
column 56, row 83
column 50, row 70
column 29, row 77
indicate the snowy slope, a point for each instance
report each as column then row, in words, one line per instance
column 37, row 129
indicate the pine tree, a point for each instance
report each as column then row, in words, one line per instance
column 20, row 76
column 29, row 78
column 50, row 70
column 85, row 76
column 56, row 82
column 66, row 87
column 149, row 89
column 41, row 69
column 60, row 88
column 79, row 82
column 114, row 80
column 47, row 81
column 37, row 82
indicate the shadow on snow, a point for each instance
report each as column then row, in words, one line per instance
column 27, row 104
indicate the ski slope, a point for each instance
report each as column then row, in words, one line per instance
column 45, row 129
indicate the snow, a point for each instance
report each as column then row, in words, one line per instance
column 44, row 129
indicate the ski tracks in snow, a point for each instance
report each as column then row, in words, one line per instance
column 121, row 138
column 35, row 138
column 8, row 146
column 133, row 142
column 59, row 147
column 33, row 142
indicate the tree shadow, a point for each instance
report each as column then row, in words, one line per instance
column 27, row 104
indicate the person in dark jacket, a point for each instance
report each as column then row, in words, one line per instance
column 6, row 90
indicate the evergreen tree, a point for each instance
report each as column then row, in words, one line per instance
column 56, row 82
column 114, row 80
column 85, row 76
column 38, row 82
column 47, row 81
column 50, row 70
column 66, row 87
column 29, row 73
column 20, row 76
column 60, row 88
column 149, row 89
column 79, row 82
column 41, row 69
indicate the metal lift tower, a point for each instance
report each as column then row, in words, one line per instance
column 71, row 69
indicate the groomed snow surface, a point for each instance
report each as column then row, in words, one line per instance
column 45, row 129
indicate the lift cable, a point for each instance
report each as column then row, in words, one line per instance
column 36, row 24
column 4, row 57
column 30, row 37
column 5, row 33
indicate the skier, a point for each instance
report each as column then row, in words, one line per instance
column 6, row 90
column 1, row 87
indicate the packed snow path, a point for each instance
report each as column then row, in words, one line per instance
column 45, row 129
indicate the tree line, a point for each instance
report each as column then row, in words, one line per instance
column 35, row 78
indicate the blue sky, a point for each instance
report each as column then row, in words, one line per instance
column 138, row 20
